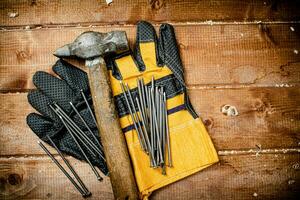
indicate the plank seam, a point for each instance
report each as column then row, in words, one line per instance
column 99, row 25
column 190, row 87
column 233, row 152
column 258, row 151
column 240, row 86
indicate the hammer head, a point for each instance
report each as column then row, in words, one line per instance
column 94, row 44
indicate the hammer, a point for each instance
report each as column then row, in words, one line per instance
column 92, row 46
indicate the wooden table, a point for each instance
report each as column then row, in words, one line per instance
column 241, row 53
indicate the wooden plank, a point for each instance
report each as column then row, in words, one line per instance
column 218, row 55
column 45, row 12
column 40, row 178
column 240, row 177
column 268, row 117
column 235, row 177
column 265, row 116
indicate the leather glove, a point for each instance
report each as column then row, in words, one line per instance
column 191, row 147
column 63, row 89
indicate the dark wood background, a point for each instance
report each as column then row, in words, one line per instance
column 242, row 53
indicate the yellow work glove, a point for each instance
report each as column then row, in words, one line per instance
column 191, row 147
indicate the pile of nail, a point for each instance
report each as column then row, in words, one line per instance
column 79, row 137
column 149, row 115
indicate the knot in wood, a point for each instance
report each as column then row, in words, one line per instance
column 22, row 55
column 156, row 4
column 14, row 179
column 209, row 123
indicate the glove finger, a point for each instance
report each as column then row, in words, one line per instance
column 169, row 52
column 146, row 50
column 124, row 68
column 40, row 102
column 44, row 127
column 55, row 89
column 75, row 77
column 41, row 125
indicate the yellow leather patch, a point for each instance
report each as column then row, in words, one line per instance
column 191, row 149
column 148, row 55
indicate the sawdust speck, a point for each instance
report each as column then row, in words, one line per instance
column 108, row 2
column 283, row 85
column 210, row 22
column 13, row 14
column 290, row 182
column 255, row 194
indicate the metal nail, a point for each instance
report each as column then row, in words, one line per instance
column 147, row 106
column 153, row 111
column 80, row 134
column 158, row 117
column 78, row 130
column 143, row 89
column 132, row 116
column 136, row 116
column 86, row 125
column 153, row 162
column 139, row 88
column 99, row 178
column 170, row 163
column 62, row 169
column 88, row 106
column 163, row 138
column 87, row 192
column 145, row 131
column 73, row 131
column 147, row 109
column 156, row 127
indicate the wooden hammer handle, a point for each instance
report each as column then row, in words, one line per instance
column 112, row 137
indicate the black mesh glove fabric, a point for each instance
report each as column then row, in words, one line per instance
column 62, row 89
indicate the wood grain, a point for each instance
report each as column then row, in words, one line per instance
column 240, row 177
column 229, row 57
column 213, row 56
column 235, row 177
column 40, row 178
column 112, row 138
column 45, row 12
column 268, row 117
